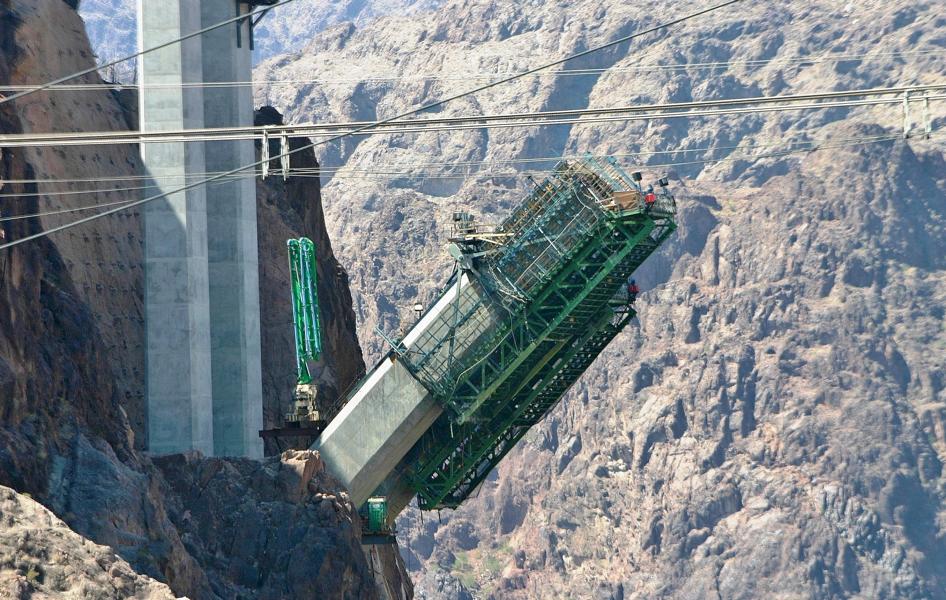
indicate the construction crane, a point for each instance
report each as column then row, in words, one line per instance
column 531, row 304
column 305, row 419
column 307, row 330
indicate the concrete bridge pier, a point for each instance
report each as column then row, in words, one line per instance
column 203, row 379
column 233, row 262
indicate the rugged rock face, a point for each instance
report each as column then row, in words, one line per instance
column 71, row 412
column 286, row 531
column 773, row 423
column 40, row 557
column 769, row 427
column 286, row 29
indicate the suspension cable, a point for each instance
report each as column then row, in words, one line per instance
column 424, row 170
column 800, row 60
column 178, row 40
column 865, row 140
column 408, row 113
column 644, row 112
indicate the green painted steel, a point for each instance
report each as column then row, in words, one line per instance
column 458, row 482
column 377, row 515
column 540, row 308
column 305, row 306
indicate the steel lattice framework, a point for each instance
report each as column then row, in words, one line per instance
column 537, row 311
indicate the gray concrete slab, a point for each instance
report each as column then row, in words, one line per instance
column 387, row 415
column 381, row 422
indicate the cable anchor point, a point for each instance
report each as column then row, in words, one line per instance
column 907, row 121
column 284, row 154
column 265, row 154
column 927, row 118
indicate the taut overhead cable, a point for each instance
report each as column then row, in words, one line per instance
column 178, row 40
column 409, row 113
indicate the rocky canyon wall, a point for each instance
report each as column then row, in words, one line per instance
column 772, row 424
column 71, row 374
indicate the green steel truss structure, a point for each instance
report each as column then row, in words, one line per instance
column 305, row 306
column 539, row 309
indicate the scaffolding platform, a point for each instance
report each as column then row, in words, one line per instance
column 532, row 305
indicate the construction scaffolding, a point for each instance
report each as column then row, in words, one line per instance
column 532, row 313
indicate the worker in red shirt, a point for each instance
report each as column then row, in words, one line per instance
column 633, row 291
column 650, row 198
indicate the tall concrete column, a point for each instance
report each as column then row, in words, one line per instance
column 232, row 239
column 177, row 301
column 204, row 383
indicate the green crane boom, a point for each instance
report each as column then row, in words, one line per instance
column 305, row 306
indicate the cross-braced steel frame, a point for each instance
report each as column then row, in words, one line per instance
column 499, row 367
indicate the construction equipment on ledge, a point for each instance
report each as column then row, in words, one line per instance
column 375, row 526
column 308, row 330
column 305, row 419
column 529, row 307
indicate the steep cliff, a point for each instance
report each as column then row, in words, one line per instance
column 291, row 209
column 71, row 409
column 772, row 425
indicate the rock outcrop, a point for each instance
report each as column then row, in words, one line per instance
column 773, row 425
column 290, row 209
column 71, row 364
column 280, row 528
column 40, row 557
column 768, row 428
